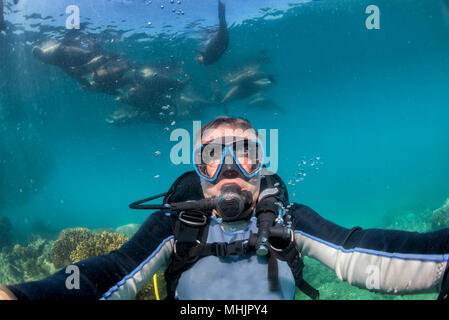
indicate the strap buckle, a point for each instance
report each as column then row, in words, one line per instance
column 190, row 260
column 236, row 248
column 192, row 219
column 221, row 249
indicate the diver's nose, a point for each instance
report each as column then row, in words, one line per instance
column 230, row 174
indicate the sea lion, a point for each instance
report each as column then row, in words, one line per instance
column 261, row 102
column 63, row 56
column 190, row 104
column 247, row 84
column 84, row 73
column 124, row 116
column 145, row 98
column 111, row 76
column 153, row 85
column 73, row 51
column 93, row 64
column 86, row 62
column 219, row 42
column 248, row 76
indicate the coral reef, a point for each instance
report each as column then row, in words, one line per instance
column 96, row 245
column 67, row 242
column 74, row 245
column 440, row 216
column 40, row 257
column 27, row 262
column 5, row 232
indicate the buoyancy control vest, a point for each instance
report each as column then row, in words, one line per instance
column 191, row 233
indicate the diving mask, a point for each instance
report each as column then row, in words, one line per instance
column 228, row 157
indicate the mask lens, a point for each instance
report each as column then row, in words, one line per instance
column 208, row 159
column 248, row 155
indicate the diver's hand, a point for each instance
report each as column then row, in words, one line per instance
column 6, row 294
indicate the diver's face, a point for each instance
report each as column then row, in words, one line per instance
column 213, row 190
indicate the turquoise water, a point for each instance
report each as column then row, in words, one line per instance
column 371, row 104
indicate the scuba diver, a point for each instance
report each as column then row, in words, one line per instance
column 226, row 230
column 219, row 42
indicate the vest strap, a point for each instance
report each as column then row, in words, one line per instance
column 221, row 249
column 190, row 246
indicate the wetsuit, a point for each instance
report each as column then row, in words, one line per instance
column 407, row 262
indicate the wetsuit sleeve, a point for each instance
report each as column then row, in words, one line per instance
column 117, row 275
column 388, row 261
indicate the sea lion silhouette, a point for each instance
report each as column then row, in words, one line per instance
column 110, row 77
column 66, row 54
column 219, row 42
column 246, row 84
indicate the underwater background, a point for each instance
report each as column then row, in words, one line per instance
column 364, row 113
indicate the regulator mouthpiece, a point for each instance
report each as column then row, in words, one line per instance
column 233, row 203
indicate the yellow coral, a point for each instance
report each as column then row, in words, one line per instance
column 81, row 244
column 99, row 244
column 67, row 241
